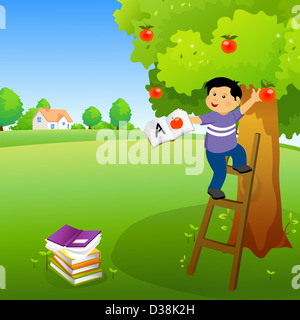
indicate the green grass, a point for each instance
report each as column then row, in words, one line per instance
column 143, row 212
column 24, row 138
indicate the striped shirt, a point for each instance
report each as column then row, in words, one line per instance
column 221, row 130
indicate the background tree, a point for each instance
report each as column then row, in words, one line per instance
column 91, row 117
column 42, row 104
column 11, row 107
column 186, row 52
column 25, row 121
column 120, row 111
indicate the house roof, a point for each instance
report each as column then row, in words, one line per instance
column 54, row 115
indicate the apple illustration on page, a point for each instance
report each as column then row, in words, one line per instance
column 177, row 123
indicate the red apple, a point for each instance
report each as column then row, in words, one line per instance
column 177, row 123
column 267, row 95
column 229, row 45
column 156, row 93
column 146, row 34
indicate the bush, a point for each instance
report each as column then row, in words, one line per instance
column 104, row 125
column 78, row 126
column 130, row 126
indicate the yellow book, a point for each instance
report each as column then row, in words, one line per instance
column 95, row 254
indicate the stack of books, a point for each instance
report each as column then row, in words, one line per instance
column 75, row 256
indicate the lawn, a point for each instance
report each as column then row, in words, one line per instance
column 143, row 212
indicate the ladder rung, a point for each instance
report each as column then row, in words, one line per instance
column 229, row 204
column 219, row 246
column 230, row 170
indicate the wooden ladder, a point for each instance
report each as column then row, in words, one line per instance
column 242, row 207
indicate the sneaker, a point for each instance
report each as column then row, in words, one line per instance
column 216, row 194
column 242, row 169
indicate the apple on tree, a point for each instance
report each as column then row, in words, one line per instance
column 267, row 94
column 146, row 34
column 229, row 45
column 156, row 93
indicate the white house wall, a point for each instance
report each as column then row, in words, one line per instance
column 43, row 125
column 64, row 121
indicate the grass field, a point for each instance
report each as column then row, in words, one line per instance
column 143, row 212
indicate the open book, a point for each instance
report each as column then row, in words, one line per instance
column 174, row 126
column 77, row 243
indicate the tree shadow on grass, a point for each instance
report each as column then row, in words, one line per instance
column 151, row 249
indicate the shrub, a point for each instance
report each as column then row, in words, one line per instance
column 78, row 126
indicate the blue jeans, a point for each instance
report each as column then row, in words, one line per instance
column 217, row 161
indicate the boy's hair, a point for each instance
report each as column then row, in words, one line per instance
column 236, row 90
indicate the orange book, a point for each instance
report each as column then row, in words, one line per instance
column 80, row 270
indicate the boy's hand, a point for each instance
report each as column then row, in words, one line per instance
column 255, row 96
column 249, row 104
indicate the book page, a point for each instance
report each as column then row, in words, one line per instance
column 179, row 123
column 158, row 132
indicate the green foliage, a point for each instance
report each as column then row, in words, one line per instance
column 91, row 117
column 120, row 111
column 183, row 262
column 270, row 273
column 78, row 126
column 264, row 47
column 104, row 125
column 289, row 61
column 289, row 112
column 42, row 104
column 291, row 222
column 34, row 262
column 129, row 12
column 11, row 107
column 25, row 122
column 44, row 254
column 188, row 236
column 189, row 64
column 225, row 216
column 128, row 127
column 171, row 100
column 113, row 272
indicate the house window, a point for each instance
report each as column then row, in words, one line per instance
column 64, row 123
column 52, row 126
column 39, row 119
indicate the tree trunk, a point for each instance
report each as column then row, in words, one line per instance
column 90, row 128
column 118, row 128
column 1, row 129
column 264, row 230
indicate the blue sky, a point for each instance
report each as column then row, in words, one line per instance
column 72, row 54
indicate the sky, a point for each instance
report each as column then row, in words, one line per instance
column 72, row 54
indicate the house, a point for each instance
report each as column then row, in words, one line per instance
column 51, row 119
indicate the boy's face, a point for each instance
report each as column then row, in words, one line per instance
column 220, row 100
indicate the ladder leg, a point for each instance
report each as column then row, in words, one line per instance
column 244, row 219
column 238, row 254
column 202, row 232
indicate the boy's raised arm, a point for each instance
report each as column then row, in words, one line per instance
column 195, row 120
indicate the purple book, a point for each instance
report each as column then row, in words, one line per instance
column 73, row 238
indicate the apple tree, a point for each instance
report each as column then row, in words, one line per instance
column 186, row 52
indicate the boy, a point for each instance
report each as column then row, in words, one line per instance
column 224, row 96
